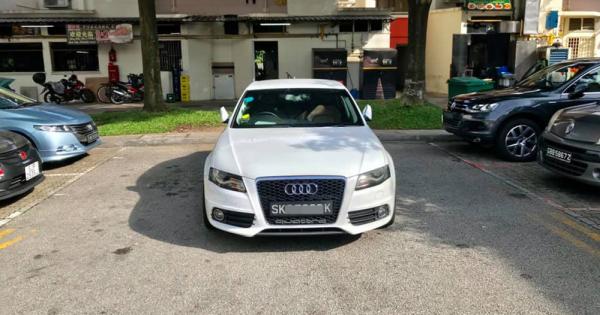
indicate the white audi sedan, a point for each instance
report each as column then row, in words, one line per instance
column 297, row 157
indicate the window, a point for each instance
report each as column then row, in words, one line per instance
column 67, row 57
column 581, row 47
column 296, row 108
column 591, row 82
column 58, row 29
column 581, row 24
column 258, row 28
column 346, row 27
column 554, row 76
column 170, row 54
column 376, row 25
column 21, row 57
column 361, row 26
column 168, row 28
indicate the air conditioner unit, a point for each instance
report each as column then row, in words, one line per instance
column 57, row 4
column 556, row 55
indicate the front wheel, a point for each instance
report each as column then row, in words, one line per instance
column 115, row 98
column 103, row 94
column 87, row 96
column 51, row 98
column 518, row 140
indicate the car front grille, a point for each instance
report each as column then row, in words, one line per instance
column 578, row 164
column 451, row 122
column 273, row 190
column 361, row 217
column 84, row 131
column 302, row 231
column 16, row 182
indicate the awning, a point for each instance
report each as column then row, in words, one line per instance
column 289, row 18
column 83, row 19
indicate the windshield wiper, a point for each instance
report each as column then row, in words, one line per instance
column 30, row 104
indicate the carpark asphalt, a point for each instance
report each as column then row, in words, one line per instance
column 472, row 235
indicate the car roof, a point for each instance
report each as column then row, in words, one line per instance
column 580, row 60
column 295, row 84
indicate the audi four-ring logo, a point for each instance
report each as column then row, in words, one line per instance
column 301, row 189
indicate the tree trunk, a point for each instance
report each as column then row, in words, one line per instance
column 153, row 98
column 418, row 13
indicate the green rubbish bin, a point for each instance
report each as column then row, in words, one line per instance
column 463, row 85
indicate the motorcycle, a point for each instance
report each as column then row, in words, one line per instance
column 127, row 92
column 65, row 90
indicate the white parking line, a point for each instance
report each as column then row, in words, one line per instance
column 63, row 174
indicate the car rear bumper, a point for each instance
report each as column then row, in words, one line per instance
column 22, row 188
column 584, row 165
column 14, row 181
column 247, row 207
column 468, row 127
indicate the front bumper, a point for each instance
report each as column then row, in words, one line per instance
column 585, row 159
column 471, row 127
column 13, row 182
column 59, row 146
column 249, row 202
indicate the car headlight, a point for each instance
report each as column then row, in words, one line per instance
column 482, row 108
column 373, row 178
column 53, row 128
column 226, row 180
column 553, row 119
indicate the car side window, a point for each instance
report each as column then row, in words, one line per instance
column 591, row 80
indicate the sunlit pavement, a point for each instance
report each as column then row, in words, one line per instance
column 125, row 237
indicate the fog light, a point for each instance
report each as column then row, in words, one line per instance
column 67, row 148
column 218, row 214
column 597, row 173
column 382, row 211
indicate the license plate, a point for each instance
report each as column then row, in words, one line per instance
column 301, row 209
column 32, row 170
column 92, row 137
column 559, row 155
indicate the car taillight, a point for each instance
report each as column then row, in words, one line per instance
column 1, row 173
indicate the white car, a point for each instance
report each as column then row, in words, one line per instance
column 297, row 157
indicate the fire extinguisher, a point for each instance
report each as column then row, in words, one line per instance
column 113, row 72
column 112, row 55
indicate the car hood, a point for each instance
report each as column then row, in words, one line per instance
column 331, row 151
column 50, row 114
column 10, row 141
column 581, row 123
column 497, row 95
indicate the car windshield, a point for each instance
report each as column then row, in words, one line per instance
column 9, row 99
column 296, row 108
column 553, row 76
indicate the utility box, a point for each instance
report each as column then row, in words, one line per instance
column 223, row 81
column 464, row 85
column 330, row 64
column 379, row 69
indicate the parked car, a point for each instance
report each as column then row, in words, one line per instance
column 57, row 133
column 571, row 143
column 20, row 165
column 297, row 157
column 511, row 120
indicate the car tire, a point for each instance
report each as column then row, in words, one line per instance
column 517, row 141
column 205, row 221
column 87, row 96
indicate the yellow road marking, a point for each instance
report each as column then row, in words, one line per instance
column 11, row 242
column 3, row 233
column 574, row 225
column 567, row 236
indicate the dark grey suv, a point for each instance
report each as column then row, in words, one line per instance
column 511, row 120
column 571, row 144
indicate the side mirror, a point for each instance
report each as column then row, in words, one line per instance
column 224, row 115
column 579, row 91
column 367, row 113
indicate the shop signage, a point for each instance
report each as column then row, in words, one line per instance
column 489, row 5
column 99, row 33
